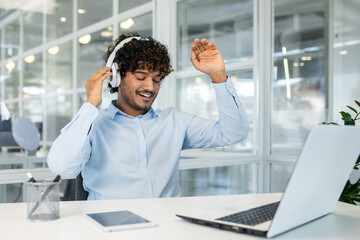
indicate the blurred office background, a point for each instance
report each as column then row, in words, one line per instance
column 294, row 63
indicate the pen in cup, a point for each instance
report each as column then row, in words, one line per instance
column 43, row 195
column 31, row 178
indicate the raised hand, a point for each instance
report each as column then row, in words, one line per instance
column 208, row 60
column 93, row 86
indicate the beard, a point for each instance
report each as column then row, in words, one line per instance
column 131, row 100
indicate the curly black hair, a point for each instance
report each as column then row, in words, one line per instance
column 140, row 54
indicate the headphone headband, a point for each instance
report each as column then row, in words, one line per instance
column 116, row 78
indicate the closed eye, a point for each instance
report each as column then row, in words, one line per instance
column 157, row 80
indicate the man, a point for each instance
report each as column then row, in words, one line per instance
column 131, row 150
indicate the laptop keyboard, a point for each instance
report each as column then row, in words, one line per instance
column 253, row 216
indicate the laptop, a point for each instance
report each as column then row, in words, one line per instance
column 319, row 176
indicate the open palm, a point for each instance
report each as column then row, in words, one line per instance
column 207, row 58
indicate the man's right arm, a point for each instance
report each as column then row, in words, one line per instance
column 71, row 149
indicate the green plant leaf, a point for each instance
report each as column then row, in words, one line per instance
column 357, row 198
column 352, row 109
column 351, row 192
column 358, row 103
column 330, row 123
column 345, row 115
column 347, row 118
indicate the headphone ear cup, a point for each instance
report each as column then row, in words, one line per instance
column 113, row 79
column 118, row 76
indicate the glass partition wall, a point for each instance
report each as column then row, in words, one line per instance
column 230, row 25
column 299, row 81
column 48, row 49
column 293, row 64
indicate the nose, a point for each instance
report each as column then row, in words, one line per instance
column 149, row 84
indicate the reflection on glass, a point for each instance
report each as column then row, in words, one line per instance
column 4, row 12
column 228, row 23
column 92, row 50
column 59, row 19
column 11, row 74
column 125, row 5
column 141, row 25
column 195, row 95
column 32, row 110
column 90, row 12
column 59, row 68
column 81, row 99
column 12, row 38
column 11, row 193
column 33, row 82
column 299, row 78
column 58, row 114
column 237, row 179
column 33, row 33
column 279, row 176
column 13, row 109
column 346, row 53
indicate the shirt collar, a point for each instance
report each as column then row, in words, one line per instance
column 112, row 111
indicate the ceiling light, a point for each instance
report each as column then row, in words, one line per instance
column 233, row 78
column 283, row 49
column 308, row 58
column 127, row 23
column 85, row 39
column 106, row 34
column 10, row 65
column 63, row 19
column 287, row 78
column 110, row 28
column 33, row 90
column 343, row 52
column 302, row 64
column 198, row 80
column 295, row 64
column 29, row 59
column 303, row 58
column 54, row 50
column 81, row 11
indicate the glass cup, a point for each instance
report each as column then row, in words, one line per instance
column 43, row 200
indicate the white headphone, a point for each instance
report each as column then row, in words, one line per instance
column 115, row 79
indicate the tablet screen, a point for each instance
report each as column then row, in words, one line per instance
column 118, row 218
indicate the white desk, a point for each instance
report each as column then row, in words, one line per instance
column 344, row 223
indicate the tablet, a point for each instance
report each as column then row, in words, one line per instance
column 118, row 220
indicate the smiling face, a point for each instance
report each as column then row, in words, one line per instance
column 137, row 91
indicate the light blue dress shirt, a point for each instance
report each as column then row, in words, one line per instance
column 121, row 156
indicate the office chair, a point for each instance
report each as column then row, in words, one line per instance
column 80, row 193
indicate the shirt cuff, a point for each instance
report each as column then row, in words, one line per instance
column 224, row 88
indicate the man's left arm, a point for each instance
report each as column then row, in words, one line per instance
column 232, row 126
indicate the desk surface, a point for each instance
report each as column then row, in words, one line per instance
column 343, row 223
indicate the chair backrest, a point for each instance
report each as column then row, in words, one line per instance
column 80, row 193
